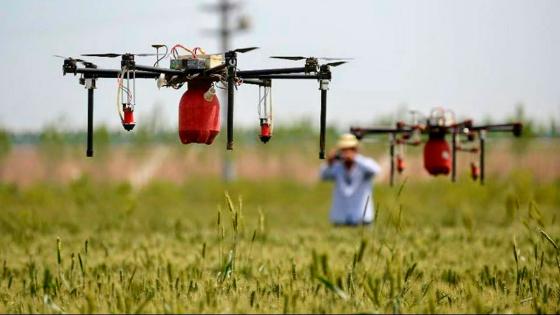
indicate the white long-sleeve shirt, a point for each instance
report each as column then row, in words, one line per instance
column 351, row 190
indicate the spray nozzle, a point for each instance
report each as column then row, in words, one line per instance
column 209, row 95
column 266, row 132
column 128, row 121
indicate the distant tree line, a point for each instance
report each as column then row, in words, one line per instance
column 55, row 136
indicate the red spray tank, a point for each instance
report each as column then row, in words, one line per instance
column 401, row 165
column 265, row 112
column 128, row 121
column 475, row 171
column 437, row 155
column 199, row 113
column 266, row 133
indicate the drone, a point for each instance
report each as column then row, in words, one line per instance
column 199, row 107
column 439, row 157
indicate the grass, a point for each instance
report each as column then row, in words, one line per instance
column 267, row 247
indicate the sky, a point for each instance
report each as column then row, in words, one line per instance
column 479, row 58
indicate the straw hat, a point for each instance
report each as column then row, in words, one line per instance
column 347, row 141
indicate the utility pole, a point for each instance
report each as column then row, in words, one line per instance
column 225, row 31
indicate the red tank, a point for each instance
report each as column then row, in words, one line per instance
column 437, row 157
column 401, row 165
column 475, row 171
column 199, row 113
column 265, row 132
column 128, row 118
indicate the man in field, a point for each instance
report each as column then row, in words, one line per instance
column 353, row 175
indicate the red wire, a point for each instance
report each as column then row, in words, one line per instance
column 174, row 49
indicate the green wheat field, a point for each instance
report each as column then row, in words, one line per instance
column 267, row 246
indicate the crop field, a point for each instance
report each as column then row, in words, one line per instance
column 266, row 246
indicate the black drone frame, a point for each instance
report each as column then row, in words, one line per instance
column 465, row 128
column 262, row 77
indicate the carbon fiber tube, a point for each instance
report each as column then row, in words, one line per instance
column 454, row 156
column 283, row 76
column 323, row 124
column 113, row 73
column 392, row 155
column 89, row 150
column 230, row 98
column 482, row 137
column 248, row 73
column 368, row 131
column 159, row 70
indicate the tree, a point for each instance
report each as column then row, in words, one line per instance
column 52, row 145
column 5, row 147
column 520, row 146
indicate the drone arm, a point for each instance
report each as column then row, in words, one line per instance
column 516, row 128
column 462, row 124
column 258, row 73
column 111, row 73
column 361, row 132
column 157, row 70
column 286, row 76
column 258, row 82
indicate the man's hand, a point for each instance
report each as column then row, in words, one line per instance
column 332, row 156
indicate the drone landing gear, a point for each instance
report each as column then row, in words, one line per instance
column 392, row 156
column 231, row 63
column 90, row 86
column 324, row 80
column 397, row 161
column 89, row 150
column 476, row 167
column 454, row 156
column 322, row 130
column 482, row 140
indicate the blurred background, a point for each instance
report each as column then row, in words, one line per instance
column 491, row 61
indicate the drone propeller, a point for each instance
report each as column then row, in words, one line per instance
column 335, row 58
column 336, row 64
column 114, row 55
column 84, row 62
column 244, row 50
column 238, row 50
column 295, row 58
column 75, row 59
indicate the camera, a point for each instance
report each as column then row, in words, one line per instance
column 338, row 156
